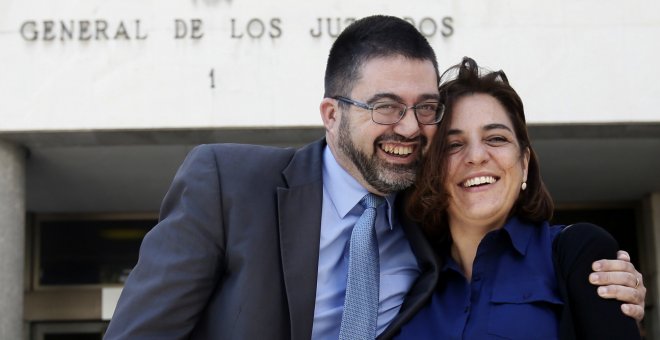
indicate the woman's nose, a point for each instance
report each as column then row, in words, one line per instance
column 476, row 154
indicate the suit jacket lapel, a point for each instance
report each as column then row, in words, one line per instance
column 299, row 207
column 424, row 286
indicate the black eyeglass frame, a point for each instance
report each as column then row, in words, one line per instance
column 440, row 110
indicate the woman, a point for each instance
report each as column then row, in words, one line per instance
column 481, row 201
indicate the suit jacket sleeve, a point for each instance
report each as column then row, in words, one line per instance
column 180, row 260
column 593, row 317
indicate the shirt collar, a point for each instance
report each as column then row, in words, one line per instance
column 519, row 232
column 344, row 191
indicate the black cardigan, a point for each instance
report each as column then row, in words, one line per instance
column 585, row 315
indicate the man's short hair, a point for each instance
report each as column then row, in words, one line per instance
column 372, row 37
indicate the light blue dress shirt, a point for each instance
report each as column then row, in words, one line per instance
column 398, row 265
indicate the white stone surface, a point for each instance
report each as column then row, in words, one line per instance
column 12, row 240
column 572, row 61
column 109, row 299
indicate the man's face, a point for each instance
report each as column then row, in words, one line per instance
column 384, row 158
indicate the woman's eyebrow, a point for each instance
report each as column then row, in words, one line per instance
column 496, row 126
column 487, row 127
column 452, row 132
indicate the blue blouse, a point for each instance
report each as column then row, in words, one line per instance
column 513, row 293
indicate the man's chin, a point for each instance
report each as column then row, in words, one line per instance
column 393, row 182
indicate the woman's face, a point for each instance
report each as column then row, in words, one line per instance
column 486, row 168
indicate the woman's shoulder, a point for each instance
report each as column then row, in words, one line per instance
column 582, row 243
column 585, row 234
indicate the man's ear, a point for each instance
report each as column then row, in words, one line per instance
column 330, row 114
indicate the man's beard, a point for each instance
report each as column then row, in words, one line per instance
column 383, row 176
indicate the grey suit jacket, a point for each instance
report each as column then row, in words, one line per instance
column 235, row 253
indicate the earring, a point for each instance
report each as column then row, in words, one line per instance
column 523, row 186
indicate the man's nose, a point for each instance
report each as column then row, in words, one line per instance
column 408, row 126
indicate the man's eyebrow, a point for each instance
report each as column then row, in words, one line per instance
column 496, row 126
column 384, row 95
column 427, row 96
column 391, row 96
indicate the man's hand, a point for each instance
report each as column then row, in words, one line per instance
column 618, row 279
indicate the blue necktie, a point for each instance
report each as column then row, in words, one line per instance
column 360, row 316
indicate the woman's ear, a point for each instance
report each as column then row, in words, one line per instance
column 525, row 160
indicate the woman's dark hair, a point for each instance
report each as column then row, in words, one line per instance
column 428, row 200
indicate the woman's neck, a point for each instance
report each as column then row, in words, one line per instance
column 466, row 237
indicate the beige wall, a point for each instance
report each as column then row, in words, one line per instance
column 585, row 61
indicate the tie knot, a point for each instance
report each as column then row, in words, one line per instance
column 371, row 201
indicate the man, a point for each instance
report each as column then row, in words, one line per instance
column 253, row 240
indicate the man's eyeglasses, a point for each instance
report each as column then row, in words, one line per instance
column 388, row 113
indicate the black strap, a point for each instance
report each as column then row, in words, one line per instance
column 566, row 327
